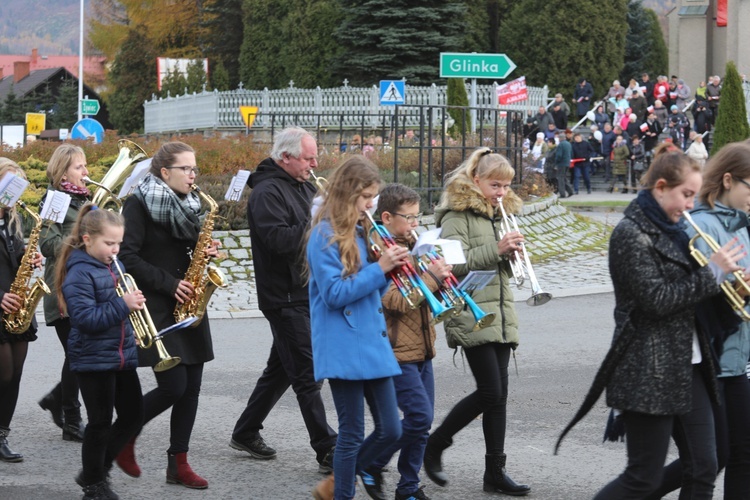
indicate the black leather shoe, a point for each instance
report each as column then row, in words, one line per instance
column 6, row 454
column 256, row 447
column 54, row 407
column 325, row 464
column 433, row 465
column 73, row 432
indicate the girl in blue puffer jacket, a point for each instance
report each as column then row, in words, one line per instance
column 101, row 345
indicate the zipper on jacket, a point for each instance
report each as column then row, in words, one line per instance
column 500, row 279
column 121, row 347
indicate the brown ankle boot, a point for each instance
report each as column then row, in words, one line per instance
column 324, row 489
column 180, row 472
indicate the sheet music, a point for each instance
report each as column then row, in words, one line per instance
column 476, row 280
column 451, row 250
column 11, row 189
column 139, row 172
column 234, row 192
column 56, row 205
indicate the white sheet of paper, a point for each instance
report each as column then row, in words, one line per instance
column 426, row 242
column 452, row 251
column 56, row 205
column 476, row 280
column 234, row 192
column 139, row 172
column 11, row 189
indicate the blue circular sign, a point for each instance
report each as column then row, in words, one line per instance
column 88, row 129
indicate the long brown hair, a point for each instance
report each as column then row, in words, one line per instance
column 340, row 210
column 15, row 226
column 732, row 159
column 672, row 166
column 91, row 221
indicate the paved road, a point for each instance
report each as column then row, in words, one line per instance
column 562, row 345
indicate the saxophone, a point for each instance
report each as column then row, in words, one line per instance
column 19, row 321
column 204, row 277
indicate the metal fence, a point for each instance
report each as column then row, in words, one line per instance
column 331, row 108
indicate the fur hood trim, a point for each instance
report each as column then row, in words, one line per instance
column 461, row 195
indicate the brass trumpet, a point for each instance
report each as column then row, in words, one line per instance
column 145, row 332
column 521, row 267
column 735, row 292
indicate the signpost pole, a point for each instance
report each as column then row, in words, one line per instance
column 80, row 67
column 473, row 104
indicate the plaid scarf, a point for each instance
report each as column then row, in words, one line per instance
column 177, row 214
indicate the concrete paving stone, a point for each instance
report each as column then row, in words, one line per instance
column 239, row 253
column 245, row 241
column 229, row 242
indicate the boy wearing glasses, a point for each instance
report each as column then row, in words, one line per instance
column 412, row 337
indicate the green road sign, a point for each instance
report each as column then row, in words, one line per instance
column 89, row 106
column 492, row 66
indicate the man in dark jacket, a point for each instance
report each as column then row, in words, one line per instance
column 563, row 155
column 608, row 139
column 278, row 211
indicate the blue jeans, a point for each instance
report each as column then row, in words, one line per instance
column 354, row 452
column 415, row 391
column 581, row 168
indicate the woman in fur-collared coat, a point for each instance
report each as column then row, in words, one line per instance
column 659, row 372
column 469, row 212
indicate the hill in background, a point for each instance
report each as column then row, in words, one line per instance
column 52, row 25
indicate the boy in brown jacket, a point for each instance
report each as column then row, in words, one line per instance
column 413, row 339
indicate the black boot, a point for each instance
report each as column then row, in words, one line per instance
column 99, row 491
column 6, row 454
column 433, row 465
column 54, row 406
column 497, row 481
column 73, row 428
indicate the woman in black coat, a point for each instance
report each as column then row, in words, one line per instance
column 162, row 228
column 13, row 347
column 659, row 371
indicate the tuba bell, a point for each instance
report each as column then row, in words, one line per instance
column 130, row 154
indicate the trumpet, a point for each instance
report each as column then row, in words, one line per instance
column 521, row 267
column 145, row 332
column 735, row 292
column 458, row 298
column 408, row 282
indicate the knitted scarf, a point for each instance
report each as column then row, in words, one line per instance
column 178, row 214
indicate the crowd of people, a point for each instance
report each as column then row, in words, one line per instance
column 643, row 114
column 347, row 302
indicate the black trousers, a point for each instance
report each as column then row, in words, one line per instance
column 102, row 392
column 12, row 358
column 66, row 391
column 289, row 363
column 178, row 388
column 489, row 365
column 648, row 441
column 732, row 442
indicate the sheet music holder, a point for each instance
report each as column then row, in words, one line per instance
column 11, row 189
column 139, row 172
column 177, row 326
column 234, row 192
column 55, row 207
column 476, row 280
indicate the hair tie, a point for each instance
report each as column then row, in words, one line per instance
column 94, row 207
column 485, row 153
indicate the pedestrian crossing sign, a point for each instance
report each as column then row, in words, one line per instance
column 392, row 92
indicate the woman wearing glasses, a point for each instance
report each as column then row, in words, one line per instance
column 162, row 227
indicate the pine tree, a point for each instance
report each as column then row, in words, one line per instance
column 13, row 109
column 173, row 84
column 645, row 49
column 196, row 76
column 222, row 20
column 556, row 43
column 731, row 122
column 398, row 38
column 133, row 80
column 457, row 97
column 65, row 111
column 219, row 77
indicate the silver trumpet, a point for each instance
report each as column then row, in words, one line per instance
column 521, row 267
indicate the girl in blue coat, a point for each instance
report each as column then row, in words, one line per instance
column 101, row 345
column 350, row 344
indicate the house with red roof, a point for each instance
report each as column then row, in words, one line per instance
column 94, row 67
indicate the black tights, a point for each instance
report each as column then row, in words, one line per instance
column 12, row 358
column 179, row 388
column 489, row 364
column 65, row 393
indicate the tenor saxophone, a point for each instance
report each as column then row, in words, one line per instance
column 19, row 321
column 205, row 278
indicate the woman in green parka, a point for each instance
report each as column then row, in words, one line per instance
column 469, row 212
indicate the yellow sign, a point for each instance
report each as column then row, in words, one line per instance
column 35, row 123
column 248, row 114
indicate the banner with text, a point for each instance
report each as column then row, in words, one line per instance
column 511, row 92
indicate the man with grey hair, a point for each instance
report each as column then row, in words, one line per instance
column 278, row 211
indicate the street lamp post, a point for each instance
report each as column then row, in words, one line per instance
column 80, row 66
